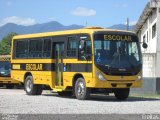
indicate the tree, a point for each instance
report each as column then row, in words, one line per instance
column 5, row 44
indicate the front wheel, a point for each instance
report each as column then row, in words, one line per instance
column 81, row 91
column 121, row 93
column 30, row 88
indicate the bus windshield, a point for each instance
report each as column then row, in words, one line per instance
column 5, row 68
column 116, row 57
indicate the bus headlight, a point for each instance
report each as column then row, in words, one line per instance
column 139, row 77
column 100, row 76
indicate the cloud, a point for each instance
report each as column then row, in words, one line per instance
column 81, row 11
column 18, row 21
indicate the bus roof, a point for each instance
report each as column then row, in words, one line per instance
column 4, row 57
column 65, row 32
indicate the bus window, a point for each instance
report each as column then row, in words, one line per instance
column 72, row 47
column 35, row 48
column 47, row 48
column 22, row 49
column 85, row 49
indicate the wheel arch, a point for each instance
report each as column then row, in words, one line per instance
column 75, row 77
column 27, row 74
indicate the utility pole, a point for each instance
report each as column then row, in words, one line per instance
column 127, row 24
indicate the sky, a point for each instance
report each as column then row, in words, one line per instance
column 102, row 13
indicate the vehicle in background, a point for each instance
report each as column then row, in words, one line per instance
column 5, row 69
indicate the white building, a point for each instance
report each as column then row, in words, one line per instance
column 148, row 30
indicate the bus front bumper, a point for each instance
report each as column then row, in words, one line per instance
column 118, row 84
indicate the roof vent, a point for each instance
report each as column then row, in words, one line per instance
column 93, row 27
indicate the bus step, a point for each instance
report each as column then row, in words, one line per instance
column 58, row 89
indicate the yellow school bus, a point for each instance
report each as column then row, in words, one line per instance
column 78, row 62
column 5, row 68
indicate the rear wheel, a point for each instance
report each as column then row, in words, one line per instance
column 9, row 86
column 81, row 91
column 121, row 93
column 30, row 88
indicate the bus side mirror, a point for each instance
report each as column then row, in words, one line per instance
column 82, row 45
column 144, row 45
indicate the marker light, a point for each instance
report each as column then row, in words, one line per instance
column 139, row 77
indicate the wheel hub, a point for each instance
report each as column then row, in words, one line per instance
column 29, row 85
column 80, row 89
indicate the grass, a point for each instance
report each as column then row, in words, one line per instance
column 157, row 96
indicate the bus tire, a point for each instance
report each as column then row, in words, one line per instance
column 121, row 93
column 30, row 88
column 65, row 93
column 9, row 86
column 81, row 91
column 39, row 89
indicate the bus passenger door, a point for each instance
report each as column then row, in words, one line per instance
column 59, row 50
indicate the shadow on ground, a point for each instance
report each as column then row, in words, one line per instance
column 105, row 98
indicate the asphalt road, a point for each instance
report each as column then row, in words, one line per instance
column 17, row 102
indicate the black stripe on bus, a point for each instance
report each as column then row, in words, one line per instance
column 34, row 66
column 68, row 67
column 77, row 67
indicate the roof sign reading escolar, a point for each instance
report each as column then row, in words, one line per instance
column 118, row 37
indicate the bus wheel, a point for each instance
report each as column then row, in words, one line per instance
column 30, row 88
column 65, row 93
column 39, row 89
column 121, row 93
column 10, row 86
column 81, row 91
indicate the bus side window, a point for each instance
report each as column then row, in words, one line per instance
column 72, row 47
column 88, row 49
column 35, row 48
column 85, row 49
column 21, row 49
column 47, row 48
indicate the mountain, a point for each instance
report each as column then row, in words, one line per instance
column 37, row 28
column 121, row 27
column 46, row 27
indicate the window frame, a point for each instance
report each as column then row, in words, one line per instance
column 56, row 38
column 36, row 39
column 89, row 39
column 144, row 38
column 76, row 40
column 154, row 30
column 15, row 48
column 50, row 39
column 28, row 41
